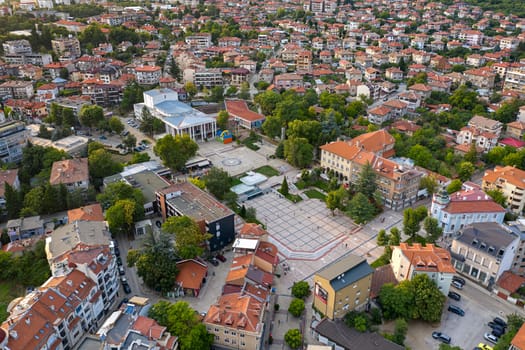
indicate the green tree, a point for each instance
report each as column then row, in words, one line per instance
column 268, row 101
column 140, row 157
column 382, row 238
column 222, row 120
column 293, row 338
column 429, row 300
column 272, row 126
column 454, row 186
column 465, row 170
column 244, row 92
column 91, row 37
column 300, row 289
column 497, row 196
column 431, row 226
column 189, row 240
column 133, row 93
column 216, row 94
column 412, row 221
column 337, row 199
column 395, row 236
column 91, row 115
column 116, row 125
column 463, row 98
column 308, row 129
column 191, row 89
column 400, row 331
column 175, row 69
column 156, row 263
column 218, row 182
column 429, row 183
column 102, row 165
column 130, row 141
column 444, row 346
column 120, row 190
column 508, row 111
column 298, row 152
column 14, row 201
column 360, row 209
column 121, row 216
column 33, row 200
column 296, row 307
column 366, row 183
column 397, row 301
column 175, row 150
column 284, row 187
column 149, row 124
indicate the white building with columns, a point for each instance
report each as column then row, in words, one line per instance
column 179, row 118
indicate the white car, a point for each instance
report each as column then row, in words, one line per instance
column 491, row 338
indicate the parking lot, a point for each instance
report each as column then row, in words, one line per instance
column 467, row 332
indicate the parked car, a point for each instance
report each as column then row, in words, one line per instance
column 119, row 261
column 454, row 295
column 498, row 332
column 459, row 280
column 221, row 257
column 125, row 133
column 102, row 137
column 500, row 321
column 123, row 279
column 456, row 309
column 442, row 337
column 491, row 338
column 457, row 285
column 483, row 346
column 493, row 325
column 121, row 270
column 123, row 301
column 214, row 262
column 117, row 251
column 126, row 288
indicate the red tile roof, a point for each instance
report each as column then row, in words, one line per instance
column 239, row 109
column 191, row 273
column 91, row 212
column 510, row 281
column 428, row 258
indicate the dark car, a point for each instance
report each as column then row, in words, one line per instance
column 221, row 257
column 121, row 271
column 498, row 332
column 117, row 251
column 454, row 295
column 126, row 287
column 499, row 321
column 459, row 280
column 456, row 309
column 123, row 301
column 442, row 337
column 119, row 261
column 457, row 285
column 214, row 262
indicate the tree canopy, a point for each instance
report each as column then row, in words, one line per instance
column 189, row 240
column 176, row 150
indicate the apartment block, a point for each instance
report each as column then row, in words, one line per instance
column 398, row 184
column 483, row 251
column 411, row 260
column 511, row 182
column 236, row 321
column 13, row 138
column 66, row 47
column 17, row 89
column 187, row 199
column 101, row 93
column 342, row 286
column 199, row 40
column 17, row 47
column 148, row 75
column 515, row 79
column 73, row 173
column 208, row 77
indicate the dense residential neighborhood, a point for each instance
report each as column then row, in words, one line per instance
column 255, row 175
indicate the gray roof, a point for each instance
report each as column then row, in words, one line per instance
column 67, row 237
column 486, row 235
column 351, row 339
column 29, row 223
column 346, row 271
column 148, row 182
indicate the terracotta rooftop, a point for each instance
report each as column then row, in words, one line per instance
column 92, row 212
column 236, row 311
column 252, row 230
column 383, row 274
column 239, row 109
column 519, row 339
column 191, row 273
column 7, row 177
column 510, row 281
column 69, row 171
column 427, row 258
column 509, row 173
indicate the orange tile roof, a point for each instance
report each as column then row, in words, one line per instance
column 239, row 109
column 191, row 273
column 510, row 281
column 69, row 171
column 252, row 229
column 519, row 339
column 243, row 260
column 511, row 174
column 236, row 311
column 374, row 141
column 428, row 258
column 474, row 206
column 91, row 212
column 147, row 69
column 236, row 276
column 7, row 177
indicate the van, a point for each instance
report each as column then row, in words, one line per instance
column 457, row 285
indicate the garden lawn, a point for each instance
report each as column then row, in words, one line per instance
column 267, row 171
column 315, row 194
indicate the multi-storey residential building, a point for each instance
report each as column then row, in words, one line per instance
column 398, row 184
column 73, row 173
column 66, row 47
column 208, row 77
column 229, row 42
column 304, row 60
column 511, row 182
column 464, row 207
column 515, row 79
column 148, row 75
column 13, row 138
column 342, row 286
column 483, row 251
column 17, row 89
column 482, row 139
column 37, row 59
column 102, row 93
column 486, row 125
column 411, row 260
column 471, row 37
column 236, row 321
column 187, row 199
column 288, row 81
column 85, row 246
column 17, row 47
column 483, row 78
column 199, row 40
column 518, row 227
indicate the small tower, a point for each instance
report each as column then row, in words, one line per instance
column 440, row 200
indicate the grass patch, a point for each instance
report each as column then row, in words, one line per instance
column 323, row 185
column 293, row 197
column 122, row 158
column 267, row 170
column 8, row 292
column 315, row 194
column 236, row 181
column 381, row 261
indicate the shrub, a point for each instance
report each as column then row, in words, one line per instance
column 301, row 289
column 296, row 307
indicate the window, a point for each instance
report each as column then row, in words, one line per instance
column 233, row 333
column 226, row 331
column 226, row 340
column 241, row 335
